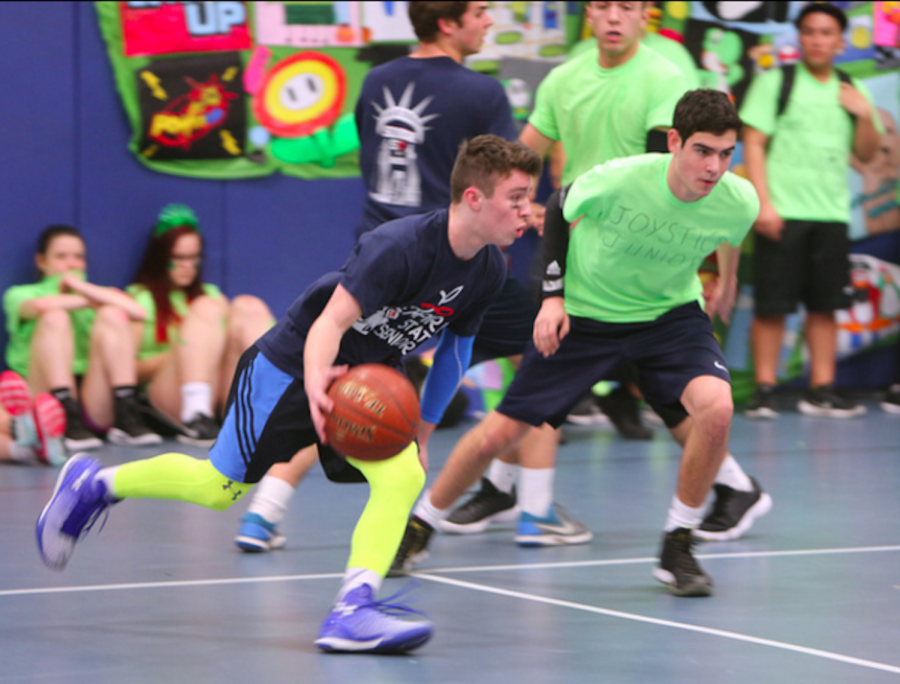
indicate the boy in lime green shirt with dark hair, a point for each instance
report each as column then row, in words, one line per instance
column 624, row 288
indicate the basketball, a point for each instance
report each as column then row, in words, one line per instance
column 375, row 414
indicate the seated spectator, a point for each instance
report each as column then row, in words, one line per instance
column 191, row 337
column 71, row 338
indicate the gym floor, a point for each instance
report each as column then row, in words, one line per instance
column 811, row 594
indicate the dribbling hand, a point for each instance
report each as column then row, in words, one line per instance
column 316, row 383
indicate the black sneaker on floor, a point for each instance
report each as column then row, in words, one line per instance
column 823, row 401
column 624, row 411
column 733, row 512
column 78, row 436
column 678, row 569
column 762, row 405
column 201, row 430
column 129, row 428
column 586, row 413
column 413, row 547
column 155, row 419
column 487, row 505
column 891, row 401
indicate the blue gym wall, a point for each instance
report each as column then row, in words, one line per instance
column 63, row 140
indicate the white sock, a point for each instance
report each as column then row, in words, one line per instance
column 732, row 475
column 24, row 431
column 503, row 475
column 271, row 498
column 427, row 512
column 536, row 490
column 356, row 577
column 107, row 476
column 20, row 452
column 682, row 515
column 196, row 397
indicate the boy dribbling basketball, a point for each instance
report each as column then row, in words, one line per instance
column 408, row 281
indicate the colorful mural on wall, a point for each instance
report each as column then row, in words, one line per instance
column 242, row 89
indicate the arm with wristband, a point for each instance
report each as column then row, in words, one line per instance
column 552, row 322
column 451, row 360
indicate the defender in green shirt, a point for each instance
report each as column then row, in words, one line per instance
column 643, row 227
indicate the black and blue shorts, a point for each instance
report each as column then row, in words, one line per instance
column 668, row 352
column 267, row 421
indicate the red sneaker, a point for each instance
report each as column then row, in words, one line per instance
column 14, row 394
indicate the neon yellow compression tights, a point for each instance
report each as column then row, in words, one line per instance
column 394, row 485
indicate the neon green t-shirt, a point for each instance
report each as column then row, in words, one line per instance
column 21, row 330
column 602, row 114
column 635, row 254
column 808, row 160
column 149, row 345
column 672, row 50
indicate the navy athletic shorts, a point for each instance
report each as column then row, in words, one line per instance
column 267, row 421
column 668, row 352
column 507, row 326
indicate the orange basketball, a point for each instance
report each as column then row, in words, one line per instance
column 375, row 414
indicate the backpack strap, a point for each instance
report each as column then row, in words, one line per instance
column 788, row 74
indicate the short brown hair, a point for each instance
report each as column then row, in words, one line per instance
column 424, row 17
column 486, row 159
column 705, row 110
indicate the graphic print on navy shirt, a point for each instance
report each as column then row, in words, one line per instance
column 412, row 115
column 410, row 286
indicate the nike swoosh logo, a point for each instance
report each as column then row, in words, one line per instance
column 720, row 366
column 567, row 528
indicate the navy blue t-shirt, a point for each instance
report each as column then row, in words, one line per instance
column 410, row 286
column 412, row 115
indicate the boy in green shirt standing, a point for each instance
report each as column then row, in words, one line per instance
column 611, row 101
column 798, row 161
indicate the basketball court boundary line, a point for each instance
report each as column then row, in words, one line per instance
column 654, row 559
column 430, row 571
column 736, row 636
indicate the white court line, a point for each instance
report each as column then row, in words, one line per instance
column 828, row 655
column 483, row 568
column 630, row 561
column 167, row 585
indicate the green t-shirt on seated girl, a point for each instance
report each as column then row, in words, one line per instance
column 808, row 160
column 150, row 346
column 21, row 330
column 635, row 253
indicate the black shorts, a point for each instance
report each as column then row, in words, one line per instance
column 809, row 264
column 507, row 325
column 267, row 421
column 668, row 353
